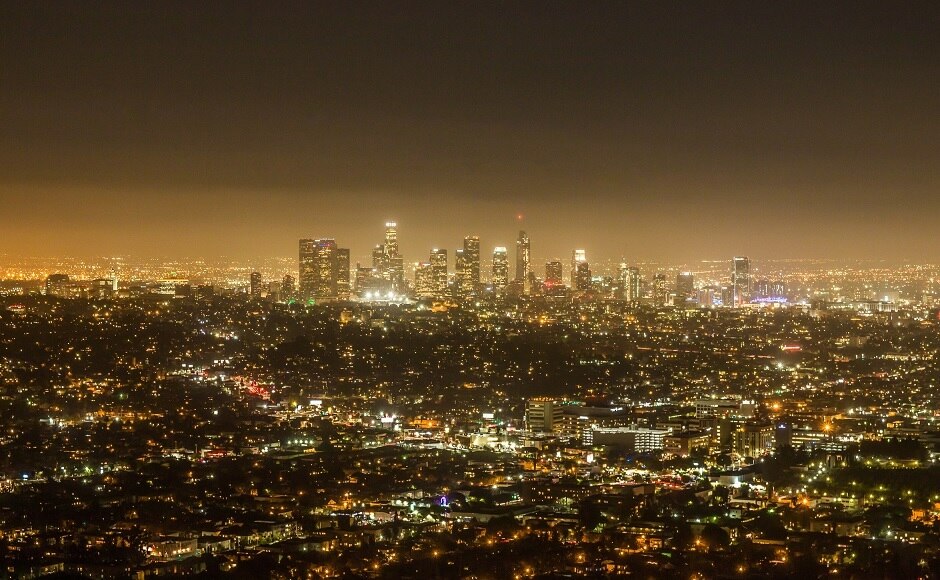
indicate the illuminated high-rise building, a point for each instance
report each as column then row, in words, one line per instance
column 461, row 274
column 307, row 274
column 425, row 286
column 622, row 275
column 628, row 282
column 439, row 268
column 379, row 259
column 632, row 293
column 577, row 256
column 660, row 297
column 471, row 250
column 388, row 263
column 501, row 269
column 287, row 287
column 254, row 284
column 523, row 256
column 553, row 273
column 580, row 271
column 396, row 273
column 391, row 238
column 341, row 273
column 685, row 285
column 741, row 280
column 324, row 269
column 468, row 266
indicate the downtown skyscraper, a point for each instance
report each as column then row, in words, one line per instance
column 580, row 271
column 500, row 269
column 741, row 280
column 439, row 271
column 523, row 256
column 468, row 266
column 323, row 269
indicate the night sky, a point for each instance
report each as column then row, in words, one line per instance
column 679, row 132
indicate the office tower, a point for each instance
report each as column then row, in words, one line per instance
column 324, row 269
column 391, row 238
column 709, row 296
column 468, row 266
column 425, row 284
column 254, row 284
column 543, row 415
column 341, row 273
column 522, row 261
column 387, row 263
column 471, row 251
column 396, row 273
column 623, row 278
column 727, row 295
column 369, row 282
column 632, row 293
column 659, row 290
column 553, row 273
column 501, row 269
column 580, row 271
column 462, row 284
column 778, row 289
column 114, row 281
column 685, row 285
column 307, row 274
column 763, row 288
column 287, row 287
column 274, row 291
column 582, row 277
column 577, row 256
column 439, row 267
column 379, row 260
column 741, row 280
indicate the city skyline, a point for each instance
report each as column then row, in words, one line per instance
column 666, row 132
column 474, row 290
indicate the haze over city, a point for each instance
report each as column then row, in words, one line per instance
column 469, row 290
column 652, row 131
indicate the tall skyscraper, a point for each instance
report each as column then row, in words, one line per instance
column 379, row 260
column 741, row 280
column 580, row 271
column 424, row 280
column 501, row 269
column 307, row 275
column 341, row 273
column 577, row 256
column 254, row 284
column 468, row 266
column 632, row 288
column 471, row 250
column 659, row 289
column 324, row 269
column 388, row 264
column 287, row 287
column 439, row 268
column 553, row 273
column 623, row 272
column 685, row 285
column 522, row 261
column 391, row 238
column 461, row 274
